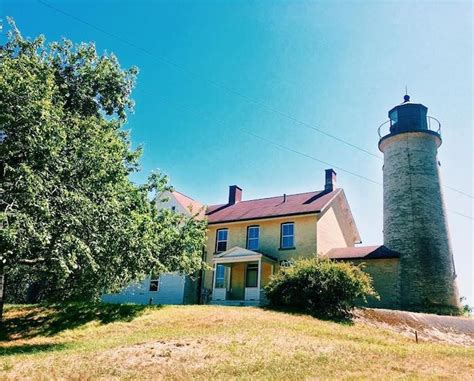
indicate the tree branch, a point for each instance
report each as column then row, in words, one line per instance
column 31, row 261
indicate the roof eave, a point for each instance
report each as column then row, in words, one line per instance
column 340, row 192
column 316, row 212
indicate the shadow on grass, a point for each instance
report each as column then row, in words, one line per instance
column 30, row 349
column 345, row 319
column 47, row 320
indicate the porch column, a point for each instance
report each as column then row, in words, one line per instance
column 259, row 282
column 214, row 280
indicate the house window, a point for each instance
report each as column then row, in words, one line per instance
column 154, row 283
column 251, row 278
column 287, row 235
column 221, row 240
column 220, row 276
column 253, row 234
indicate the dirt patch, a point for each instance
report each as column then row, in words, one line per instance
column 189, row 356
column 428, row 327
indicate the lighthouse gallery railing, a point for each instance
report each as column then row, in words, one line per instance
column 432, row 123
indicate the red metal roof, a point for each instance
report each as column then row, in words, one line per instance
column 193, row 206
column 301, row 203
column 366, row 252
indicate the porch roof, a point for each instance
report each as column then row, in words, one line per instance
column 239, row 254
column 362, row 252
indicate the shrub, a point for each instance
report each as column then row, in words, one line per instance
column 320, row 286
column 465, row 309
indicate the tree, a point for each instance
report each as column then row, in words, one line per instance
column 70, row 216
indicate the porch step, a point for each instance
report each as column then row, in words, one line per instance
column 243, row 303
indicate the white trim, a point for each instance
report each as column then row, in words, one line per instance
column 214, row 278
column 154, row 279
column 352, row 223
column 282, row 236
column 236, row 251
column 238, row 254
column 346, row 210
column 328, row 204
column 259, row 273
column 247, row 258
column 219, row 294
column 252, row 293
column 221, row 240
column 222, row 279
column 249, row 228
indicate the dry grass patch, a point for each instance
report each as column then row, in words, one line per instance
column 204, row 342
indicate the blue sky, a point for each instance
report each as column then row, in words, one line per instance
column 213, row 71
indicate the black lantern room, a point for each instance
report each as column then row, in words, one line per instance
column 408, row 117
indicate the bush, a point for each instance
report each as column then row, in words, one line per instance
column 320, row 286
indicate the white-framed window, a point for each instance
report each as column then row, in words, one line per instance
column 154, row 283
column 222, row 236
column 287, row 235
column 220, row 276
column 253, row 235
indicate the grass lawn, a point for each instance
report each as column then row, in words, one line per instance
column 85, row 341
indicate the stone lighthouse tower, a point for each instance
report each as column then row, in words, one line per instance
column 414, row 219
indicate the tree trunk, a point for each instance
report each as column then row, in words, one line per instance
column 2, row 291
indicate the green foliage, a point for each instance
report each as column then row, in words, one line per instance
column 320, row 287
column 71, row 219
column 465, row 309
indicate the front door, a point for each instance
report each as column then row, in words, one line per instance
column 251, row 282
column 251, row 277
column 237, row 282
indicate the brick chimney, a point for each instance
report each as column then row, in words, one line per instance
column 330, row 183
column 235, row 194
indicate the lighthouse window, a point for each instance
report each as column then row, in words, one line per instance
column 394, row 116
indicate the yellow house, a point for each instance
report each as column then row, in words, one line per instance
column 248, row 240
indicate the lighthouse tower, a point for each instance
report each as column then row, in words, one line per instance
column 414, row 219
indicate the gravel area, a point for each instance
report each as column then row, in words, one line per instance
column 428, row 327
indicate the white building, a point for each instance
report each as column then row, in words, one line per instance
column 169, row 288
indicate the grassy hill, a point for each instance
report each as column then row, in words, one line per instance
column 85, row 341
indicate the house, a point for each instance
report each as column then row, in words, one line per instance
column 169, row 288
column 248, row 240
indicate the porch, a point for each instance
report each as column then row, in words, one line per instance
column 239, row 277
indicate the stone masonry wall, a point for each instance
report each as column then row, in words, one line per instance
column 385, row 275
column 415, row 221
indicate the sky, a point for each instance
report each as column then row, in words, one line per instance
column 229, row 90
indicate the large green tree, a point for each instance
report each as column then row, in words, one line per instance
column 71, row 219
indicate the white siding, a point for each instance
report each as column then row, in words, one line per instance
column 252, row 293
column 219, row 294
column 171, row 291
column 166, row 200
